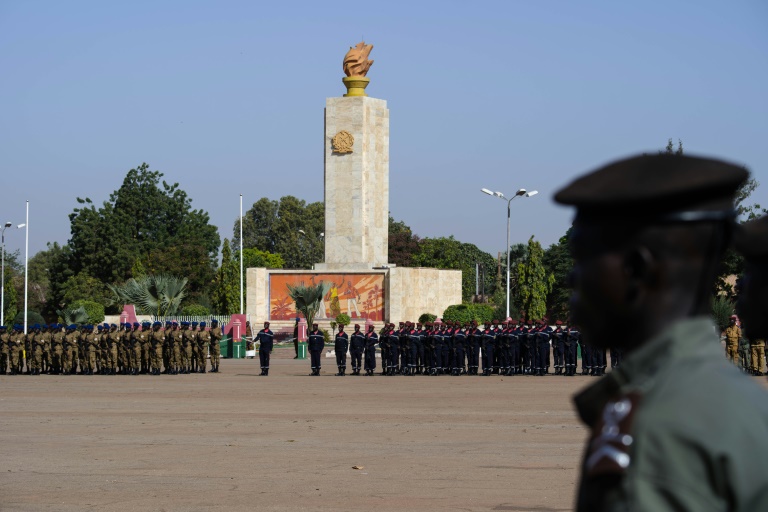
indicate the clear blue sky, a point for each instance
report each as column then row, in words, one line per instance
column 227, row 97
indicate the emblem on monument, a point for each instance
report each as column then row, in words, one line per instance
column 342, row 142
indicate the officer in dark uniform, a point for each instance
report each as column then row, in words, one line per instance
column 438, row 335
column 558, row 346
column 572, row 337
column 751, row 239
column 474, row 341
column 394, row 349
column 341, row 345
column 385, row 346
column 356, row 348
column 675, row 427
column 459, row 340
column 414, row 341
column 616, row 353
column 488, row 346
column 405, row 347
column 315, row 344
column 371, row 338
column 586, row 357
column 266, row 343
column 429, row 349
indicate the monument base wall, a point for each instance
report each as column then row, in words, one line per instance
column 376, row 295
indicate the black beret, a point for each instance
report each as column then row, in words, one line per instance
column 751, row 239
column 652, row 188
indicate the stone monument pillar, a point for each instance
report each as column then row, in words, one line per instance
column 356, row 173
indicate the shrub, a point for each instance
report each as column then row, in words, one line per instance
column 94, row 310
column 468, row 312
column 343, row 319
column 195, row 310
column 427, row 317
column 33, row 317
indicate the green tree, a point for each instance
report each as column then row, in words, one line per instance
column 226, row 288
column 195, row 310
column 145, row 220
column 84, row 287
column 671, row 150
column 722, row 309
column 13, row 271
column 307, row 299
column 449, row 253
column 402, row 244
column 289, row 227
column 534, row 283
column 559, row 262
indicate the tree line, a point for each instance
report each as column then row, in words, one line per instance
column 146, row 245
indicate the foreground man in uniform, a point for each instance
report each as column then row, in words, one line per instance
column 752, row 241
column 675, row 427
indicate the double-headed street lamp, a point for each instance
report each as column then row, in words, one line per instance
column 519, row 193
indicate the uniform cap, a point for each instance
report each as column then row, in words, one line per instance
column 214, row 321
column 135, row 324
column 202, row 324
column 734, row 317
column 157, row 324
column 657, row 189
column 558, row 323
column 751, row 239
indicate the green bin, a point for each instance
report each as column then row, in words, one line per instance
column 302, row 350
column 226, row 347
column 238, row 349
column 578, row 352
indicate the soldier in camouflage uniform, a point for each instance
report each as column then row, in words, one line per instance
column 71, row 340
column 193, row 360
column 203, row 342
column 215, row 345
column 16, row 345
column 156, row 341
column 5, row 339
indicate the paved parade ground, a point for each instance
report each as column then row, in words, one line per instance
column 236, row 441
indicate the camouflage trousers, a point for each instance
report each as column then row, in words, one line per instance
column 215, row 354
column 758, row 356
column 732, row 352
column 202, row 357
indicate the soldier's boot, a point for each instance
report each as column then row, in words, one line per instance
column 266, row 372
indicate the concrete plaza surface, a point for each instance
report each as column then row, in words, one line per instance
column 235, row 441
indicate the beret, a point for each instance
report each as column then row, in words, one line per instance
column 658, row 188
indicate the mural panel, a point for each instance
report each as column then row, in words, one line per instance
column 361, row 296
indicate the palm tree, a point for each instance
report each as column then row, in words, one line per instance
column 158, row 295
column 307, row 299
column 73, row 315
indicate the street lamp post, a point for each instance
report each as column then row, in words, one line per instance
column 26, row 268
column 2, row 279
column 519, row 193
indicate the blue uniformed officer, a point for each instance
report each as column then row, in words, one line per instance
column 340, row 346
column 315, row 344
column 266, row 343
column 371, row 338
column 356, row 348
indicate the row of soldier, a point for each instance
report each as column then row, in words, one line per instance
column 453, row 348
column 128, row 349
